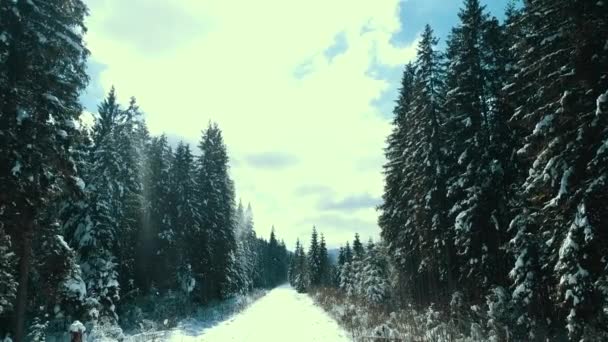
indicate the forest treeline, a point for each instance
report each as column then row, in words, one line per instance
column 92, row 219
column 360, row 271
column 496, row 188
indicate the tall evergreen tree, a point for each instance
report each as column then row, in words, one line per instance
column 314, row 259
column 217, row 201
column 561, row 78
column 301, row 276
column 42, row 72
column 394, row 211
column 184, row 215
column 132, row 140
column 324, row 265
column 94, row 229
column 422, row 232
column 358, row 246
column 8, row 281
column 477, row 171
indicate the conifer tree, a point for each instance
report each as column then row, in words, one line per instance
column 42, row 63
column 324, row 265
column 8, row 282
column 374, row 282
column 185, row 217
column 301, row 278
column 94, row 229
column 358, row 247
column 314, row 259
column 217, row 218
column 476, row 172
column 132, row 143
column 348, row 253
column 159, row 243
column 563, row 195
column 393, row 211
column 422, row 231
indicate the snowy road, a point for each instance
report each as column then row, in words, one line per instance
column 283, row 315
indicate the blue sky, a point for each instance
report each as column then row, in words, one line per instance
column 303, row 91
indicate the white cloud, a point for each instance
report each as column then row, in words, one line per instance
column 238, row 69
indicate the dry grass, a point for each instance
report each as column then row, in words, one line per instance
column 367, row 323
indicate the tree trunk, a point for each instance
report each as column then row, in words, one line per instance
column 25, row 251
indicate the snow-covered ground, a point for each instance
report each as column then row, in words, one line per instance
column 281, row 315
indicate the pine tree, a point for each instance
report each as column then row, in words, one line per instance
column 249, row 242
column 324, row 265
column 301, row 276
column 341, row 256
column 558, row 84
column 474, row 121
column 94, row 229
column 184, row 214
column 217, row 207
column 293, row 265
column 358, row 247
column 421, row 232
column 159, row 244
column 314, row 259
column 42, row 63
column 58, row 276
column 348, row 253
column 276, row 264
column 356, row 267
column 374, row 283
column 393, row 210
column 347, row 279
column 8, row 283
column 132, row 143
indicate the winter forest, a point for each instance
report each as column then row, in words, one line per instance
column 493, row 222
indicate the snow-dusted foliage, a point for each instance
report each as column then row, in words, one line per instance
column 299, row 276
column 42, row 67
column 37, row 330
column 8, row 283
column 374, row 283
column 496, row 185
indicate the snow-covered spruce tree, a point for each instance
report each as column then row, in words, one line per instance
column 561, row 77
column 375, row 286
column 42, row 71
column 8, row 282
column 314, row 259
column 356, row 267
column 293, row 265
column 132, row 139
column 184, row 215
column 276, row 262
column 160, row 241
column 324, row 264
column 249, row 241
column 301, row 276
column 260, row 279
column 419, row 231
column 394, row 210
column 217, row 218
column 347, row 279
column 62, row 290
column 479, row 150
column 94, row 228
column 348, row 253
column 358, row 249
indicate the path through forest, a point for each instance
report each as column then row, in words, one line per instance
column 281, row 315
